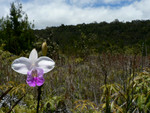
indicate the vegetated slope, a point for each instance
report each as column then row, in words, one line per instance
column 99, row 37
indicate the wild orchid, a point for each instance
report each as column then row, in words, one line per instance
column 34, row 67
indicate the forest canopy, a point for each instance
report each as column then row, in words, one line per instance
column 100, row 37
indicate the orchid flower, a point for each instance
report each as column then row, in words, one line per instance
column 34, row 67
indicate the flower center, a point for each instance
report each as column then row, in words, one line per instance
column 34, row 73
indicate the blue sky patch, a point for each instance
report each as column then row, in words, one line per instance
column 96, row 3
column 101, row 3
column 116, row 4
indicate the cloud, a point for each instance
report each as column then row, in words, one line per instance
column 4, row 7
column 56, row 12
column 143, row 6
column 116, row 1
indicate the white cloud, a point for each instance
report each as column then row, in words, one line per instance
column 116, row 1
column 144, row 7
column 4, row 7
column 56, row 12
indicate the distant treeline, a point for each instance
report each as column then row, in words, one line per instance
column 100, row 37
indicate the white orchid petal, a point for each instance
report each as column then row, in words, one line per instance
column 33, row 56
column 21, row 65
column 45, row 63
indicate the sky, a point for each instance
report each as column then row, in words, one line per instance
column 47, row 13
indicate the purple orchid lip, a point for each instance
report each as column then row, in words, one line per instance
column 35, row 77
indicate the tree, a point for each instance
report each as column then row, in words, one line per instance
column 17, row 32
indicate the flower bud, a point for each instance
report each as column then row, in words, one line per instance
column 44, row 48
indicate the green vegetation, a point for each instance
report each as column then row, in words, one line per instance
column 100, row 67
column 16, row 34
column 114, row 37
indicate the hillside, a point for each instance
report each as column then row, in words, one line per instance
column 99, row 37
